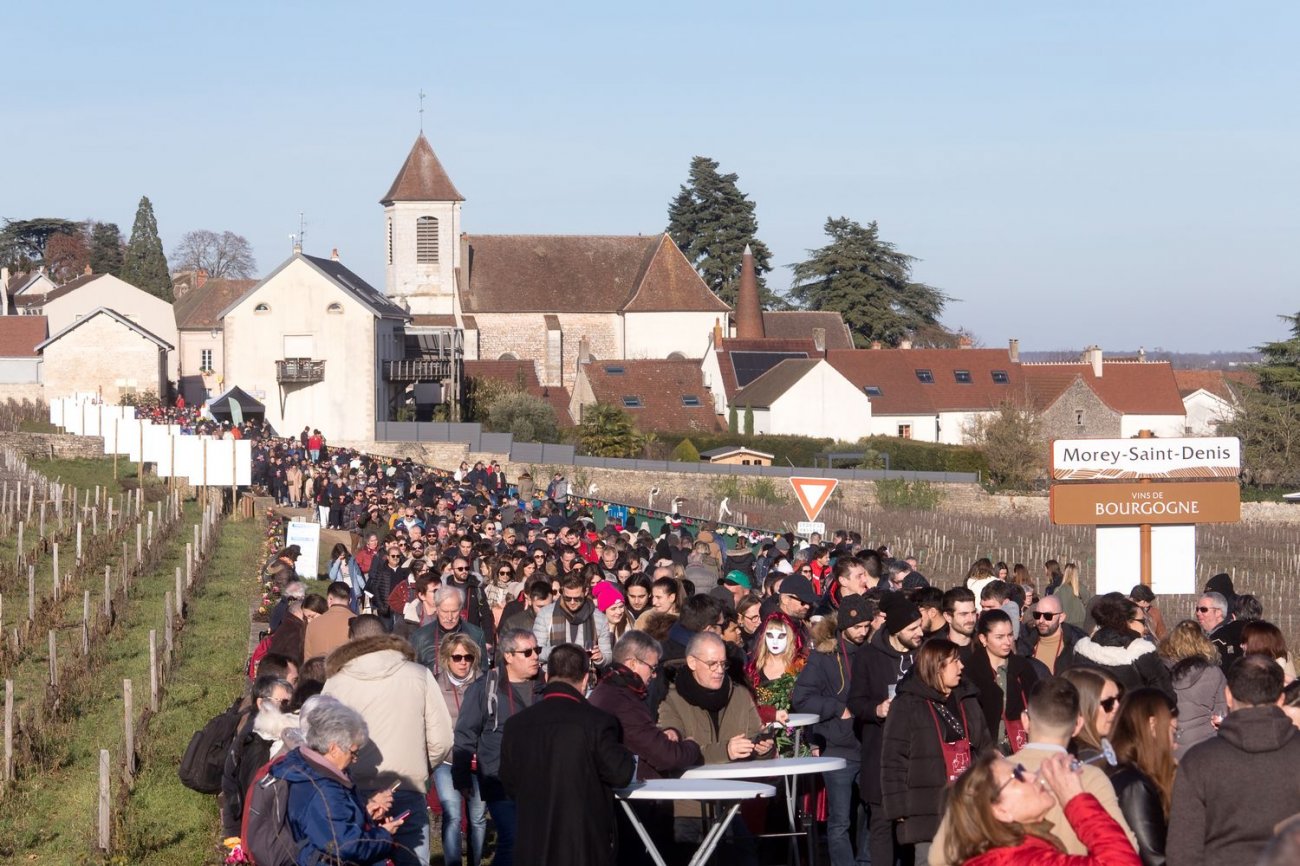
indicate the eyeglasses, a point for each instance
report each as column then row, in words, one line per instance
column 526, row 653
column 461, row 657
column 711, row 665
column 1108, row 704
column 1042, row 614
column 1018, row 774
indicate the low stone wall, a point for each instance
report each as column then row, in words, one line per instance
column 46, row 446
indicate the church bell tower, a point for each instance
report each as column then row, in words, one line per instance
column 422, row 234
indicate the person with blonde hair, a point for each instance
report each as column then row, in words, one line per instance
column 996, row 817
column 459, row 665
column 1143, row 737
column 1069, row 594
column 1193, row 662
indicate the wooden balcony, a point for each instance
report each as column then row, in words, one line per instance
column 302, row 371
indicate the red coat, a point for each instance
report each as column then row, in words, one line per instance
column 1107, row 844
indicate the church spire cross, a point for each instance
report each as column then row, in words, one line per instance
column 421, row 111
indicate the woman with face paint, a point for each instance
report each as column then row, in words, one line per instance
column 778, row 657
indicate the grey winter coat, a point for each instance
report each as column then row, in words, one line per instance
column 1199, row 687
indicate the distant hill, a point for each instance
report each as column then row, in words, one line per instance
column 1180, row 360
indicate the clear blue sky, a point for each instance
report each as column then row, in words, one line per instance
column 1118, row 173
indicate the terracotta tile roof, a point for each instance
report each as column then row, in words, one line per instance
column 1130, row 388
column 799, row 324
column 581, row 274
column 422, row 178
column 523, row 374
column 743, row 361
column 199, row 309
column 19, row 335
column 662, row 388
column 1220, row 383
column 768, row 388
column 670, row 284
column 894, row 372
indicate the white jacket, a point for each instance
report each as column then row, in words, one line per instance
column 410, row 728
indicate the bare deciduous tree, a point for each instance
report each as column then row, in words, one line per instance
column 225, row 255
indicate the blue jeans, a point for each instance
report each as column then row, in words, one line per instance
column 502, row 809
column 841, row 803
column 452, row 809
column 411, row 841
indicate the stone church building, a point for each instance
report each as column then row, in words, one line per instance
column 537, row 297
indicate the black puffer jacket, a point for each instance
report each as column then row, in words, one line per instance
column 1130, row 660
column 823, row 688
column 1021, row 677
column 913, row 772
column 1140, row 802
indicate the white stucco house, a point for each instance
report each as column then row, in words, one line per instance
column 312, row 341
column 806, row 397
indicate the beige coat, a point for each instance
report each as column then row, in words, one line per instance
column 327, row 632
column 739, row 716
column 410, row 728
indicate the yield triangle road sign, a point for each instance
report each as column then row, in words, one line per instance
column 813, row 493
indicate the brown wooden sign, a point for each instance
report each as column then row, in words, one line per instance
column 1134, row 504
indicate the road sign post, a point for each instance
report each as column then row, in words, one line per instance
column 813, row 494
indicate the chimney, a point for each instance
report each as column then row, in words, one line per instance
column 749, row 313
column 717, row 334
column 1093, row 356
column 1142, row 355
column 200, row 278
column 819, row 340
column 875, row 345
column 964, row 342
column 334, row 254
column 904, row 344
column 1013, row 349
column 584, row 350
column 87, row 270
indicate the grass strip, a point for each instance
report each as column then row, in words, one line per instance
column 165, row 822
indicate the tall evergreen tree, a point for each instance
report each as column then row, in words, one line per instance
column 1279, row 371
column 106, row 249
column 711, row 221
column 1266, row 417
column 869, row 282
column 145, row 263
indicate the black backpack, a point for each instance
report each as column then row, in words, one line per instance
column 205, row 756
column 265, row 832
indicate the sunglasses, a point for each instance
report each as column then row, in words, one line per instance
column 461, row 657
column 1205, row 609
column 1108, row 704
column 460, row 568
column 1018, row 774
column 1038, row 614
column 526, row 653
column 503, row 574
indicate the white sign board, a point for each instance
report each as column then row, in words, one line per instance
column 805, row 528
column 307, row 537
column 1173, row 559
column 1107, row 459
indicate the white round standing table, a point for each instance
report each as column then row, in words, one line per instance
column 799, row 721
column 789, row 769
column 704, row 789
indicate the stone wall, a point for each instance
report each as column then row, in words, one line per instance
column 44, row 446
column 1061, row 421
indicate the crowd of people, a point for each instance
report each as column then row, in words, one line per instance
column 486, row 655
